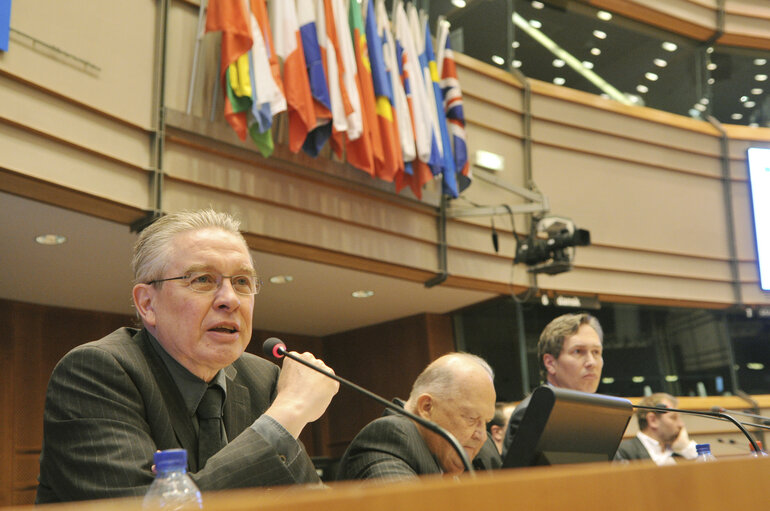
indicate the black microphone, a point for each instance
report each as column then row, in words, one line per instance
column 763, row 420
column 712, row 414
column 274, row 347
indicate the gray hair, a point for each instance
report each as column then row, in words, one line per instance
column 439, row 378
column 150, row 257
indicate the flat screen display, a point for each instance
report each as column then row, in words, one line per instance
column 759, row 180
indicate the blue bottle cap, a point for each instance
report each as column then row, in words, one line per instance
column 703, row 448
column 170, row 458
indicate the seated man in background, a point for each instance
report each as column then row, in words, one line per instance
column 182, row 381
column 499, row 423
column 455, row 391
column 662, row 436
column 569, row 352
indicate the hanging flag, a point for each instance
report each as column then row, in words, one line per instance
column 383, row 91
column 453, row 108
column 231, row 18
column 366, row 88
column 358, row 148
column 288, row 46
column 319, row 87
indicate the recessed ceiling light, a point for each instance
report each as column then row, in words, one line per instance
column 51, row 239
column 637, row 379
column 760, row 62
column 744, row 99
column 704, row 101
column 671, row 378
column 587, row 64
column 281, row 279
column 710, row 49
column 711, row 81
column 660, row 62
column 604, row 15
column 559, row 80
column 516, row 64
column 515, row 44
column 755, row 366
column 750, row 104
column 497, row 59
column 642, row 88
column 607, row 380
column 651, row 76
column 669, row 46
column 736, row 117
column 458, row 3
column 363, row 293
column 537, row 5
column 756, row 91
column 711, row 66
column 558, row 63
column 600, row 35
column 596, row 51
column 699, row 107
column 760, row 78
column 535, row 23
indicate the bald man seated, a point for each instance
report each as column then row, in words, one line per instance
column 455, row 391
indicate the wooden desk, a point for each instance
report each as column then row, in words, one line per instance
column 724, row 484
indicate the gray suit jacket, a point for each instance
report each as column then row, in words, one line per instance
column 632, row 449
column 388, row 447
column 112, row 403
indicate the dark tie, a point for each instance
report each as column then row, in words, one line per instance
column 210, row 438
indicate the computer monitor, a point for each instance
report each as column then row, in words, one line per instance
column 566, row 426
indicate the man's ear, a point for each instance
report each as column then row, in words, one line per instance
column 652, row 420
column 497, row 433
column 144, row 301
column 425, row 406
column 549, row 361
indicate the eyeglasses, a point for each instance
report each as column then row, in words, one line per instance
column 209, row 282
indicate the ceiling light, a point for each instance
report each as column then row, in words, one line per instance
column 535, row 23
column 51, row 239
column 711, row 66
column 516, row 64
column 458, row 3
column 363, row 293
column 599, row 34
column 281, row 279
column 744, row 99
column 642, row 88
column 669, row 46
column 537, row 5
column 711, row 81
column 660, row 62
column 704, row 101
column 515, row 44
column 587, row 64
column 757, row 91
column 558, row 63
column 489, row 161
column 750, row 104
column 755, row 366
column 671, row 378
column 760, row 62
column 736, row 117
column 651, row 76
column 710, row 49
column 604, row 15
column 699, row 107
column 559, row 80
column 607, row 380
column 596, row 51
column 637, row 379
column 497, row 59
column 760, row 78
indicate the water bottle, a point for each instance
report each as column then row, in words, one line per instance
column 704, row 452
column 172, row 489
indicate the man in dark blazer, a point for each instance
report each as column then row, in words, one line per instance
column 456, row 392
column 569, row 352
column 113, row 402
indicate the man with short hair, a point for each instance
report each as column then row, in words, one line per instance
column 455, row 391
column 181, row 381
column 662, row 436
column 570, row 356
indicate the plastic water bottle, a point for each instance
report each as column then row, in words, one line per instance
column 172, row 488
column 704, row 453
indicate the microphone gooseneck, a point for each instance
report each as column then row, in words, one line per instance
column 712, row 414
column 274, row 347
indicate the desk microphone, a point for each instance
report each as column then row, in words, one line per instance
column 274, row 347
column 712, row 414
column 762, row 420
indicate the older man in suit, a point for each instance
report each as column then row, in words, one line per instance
column 182, row 381
column 457, row 393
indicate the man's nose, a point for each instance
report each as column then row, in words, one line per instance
column 226, row 297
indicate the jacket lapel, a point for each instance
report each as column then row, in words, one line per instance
column 237, row 408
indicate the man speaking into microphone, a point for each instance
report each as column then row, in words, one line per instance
column 457, row 393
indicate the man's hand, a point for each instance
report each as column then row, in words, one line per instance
column 302, row 393
column 681, row 442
